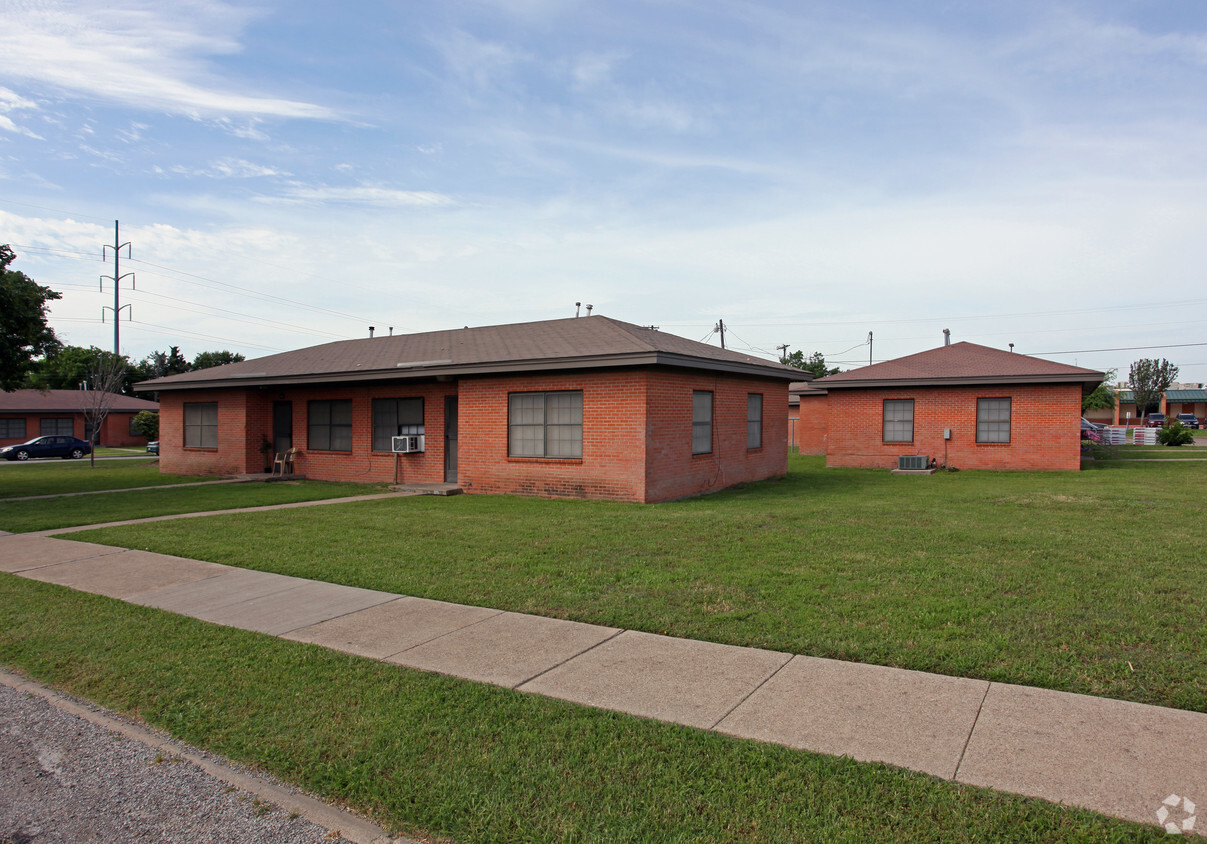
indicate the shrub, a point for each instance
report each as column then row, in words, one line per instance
column 1175, row 433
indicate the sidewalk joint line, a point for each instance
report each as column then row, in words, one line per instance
column 567, row 659
column 748, row 695
column 971, row 730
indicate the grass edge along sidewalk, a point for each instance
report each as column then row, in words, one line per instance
column 1050, row 580
column 430, row 755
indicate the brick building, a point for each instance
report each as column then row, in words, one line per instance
column 580, row 408
column 1003, row 410
column 808, row 413
column 25, row 414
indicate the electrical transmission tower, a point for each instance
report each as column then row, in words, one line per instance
column 116, row 278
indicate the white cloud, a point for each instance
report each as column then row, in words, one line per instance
column 365, row 195
column 10, row 101
column 143, row 53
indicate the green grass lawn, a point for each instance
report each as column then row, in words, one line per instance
column 1087, row 582
column 120, row 478
column 433, row 756
column 60, row 476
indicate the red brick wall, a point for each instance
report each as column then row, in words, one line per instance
column 1044, row 427
column 624, row 442
column 612, row 465
column 245, row 421
column 115, row 431
column 671, row 468
column 809, row 428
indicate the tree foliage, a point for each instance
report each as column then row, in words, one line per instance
column 146, row 422
column 72, row 368
column 207, row 360
column 1149, row 379
column 816, row 363
column 1103, row 396
column 24, row 332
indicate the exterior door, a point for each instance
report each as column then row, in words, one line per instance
column 450, row 439
column 282, row 426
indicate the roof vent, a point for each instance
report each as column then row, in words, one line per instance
column 371, row 329
column 946, row 336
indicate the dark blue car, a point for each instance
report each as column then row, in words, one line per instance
column 65, row 447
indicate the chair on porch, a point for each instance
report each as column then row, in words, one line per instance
column 284, row 462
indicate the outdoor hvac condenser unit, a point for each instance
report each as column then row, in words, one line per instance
column 409, row 444
column 912, row 461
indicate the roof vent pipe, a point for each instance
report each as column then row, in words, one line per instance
column 371, row 332
column 946, row 336
column 577, row 307
column 589, row 307
column 391, row 331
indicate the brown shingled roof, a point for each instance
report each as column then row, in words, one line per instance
column 573, row 343
column 66, row 401
column 962, row 363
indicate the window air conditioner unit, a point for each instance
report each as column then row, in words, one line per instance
column 909, row 462
column 409, row 444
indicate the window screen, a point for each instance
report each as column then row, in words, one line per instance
column 330, row 425
column 993, row 420
column 201, row 425
column 702, row 422
column 545, row 424
column 899, row 420
column 50, row 427
column 12, row 429
column 395, row 418
column 754, row 420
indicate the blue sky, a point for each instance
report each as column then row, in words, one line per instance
column 293, row 172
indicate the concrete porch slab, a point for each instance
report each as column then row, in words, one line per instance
column 301, row 605
column 125, row 574
column 867, row 712
column 505, row 649
column 23, row 551
column 678, row 680
column 1112, row 756
column 385, row 629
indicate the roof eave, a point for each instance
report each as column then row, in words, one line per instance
column 643, row 358
column 988, row 380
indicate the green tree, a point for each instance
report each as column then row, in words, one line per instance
column 24, row 332
column 816, row 363
column 73, row 367
column 160, row 364
column 1103, row 396
column 146, row 422
column 206, row 360
column 1149, row 379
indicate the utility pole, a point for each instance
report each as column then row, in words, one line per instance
column 783, row 352
column 721, row 328
column 116, row 278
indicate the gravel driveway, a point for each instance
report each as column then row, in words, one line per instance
column 66, row 779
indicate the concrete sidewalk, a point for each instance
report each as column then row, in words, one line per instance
column 1119, row 758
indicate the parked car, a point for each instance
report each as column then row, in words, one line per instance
column 64, row 447
column 1155, row 420
column 1189, row 420
column 153, row 447
column 1087, row 427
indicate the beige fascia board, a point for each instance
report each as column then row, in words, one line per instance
column 492, row 368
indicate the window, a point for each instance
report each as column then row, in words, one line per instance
column 12, row 429
column 330, row 425
column 701, row 422
column 201, row 424
column 754, row 420
column 545, row 424
column 50, row 427
column 898, row 420
column 394, row 418
column 993, row 420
